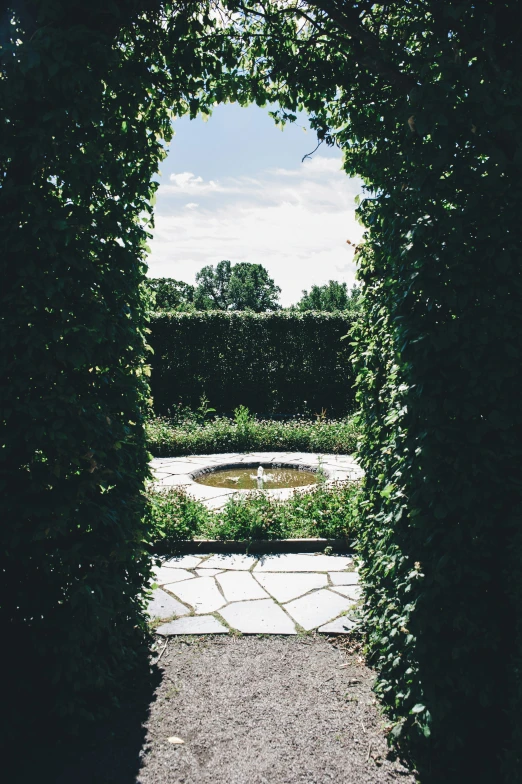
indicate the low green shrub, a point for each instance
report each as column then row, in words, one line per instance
column 324, row 511
column 174, row 514
column 189, row 435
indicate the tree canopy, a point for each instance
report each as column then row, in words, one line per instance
column 241, row 286
column 330, row 297
column 170, row 294
column 244, row 287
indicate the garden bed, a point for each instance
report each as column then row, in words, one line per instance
column 307, row 519
column 325, row 513
column 195, row 433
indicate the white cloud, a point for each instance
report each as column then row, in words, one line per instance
column 187, row 182
column 314, row 167
column 293, row 221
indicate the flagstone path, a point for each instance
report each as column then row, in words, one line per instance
column 268, row 594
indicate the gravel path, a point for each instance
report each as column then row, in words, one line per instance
column 250, row 710
column 253, row 710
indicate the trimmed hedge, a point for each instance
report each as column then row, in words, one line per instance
column 73, row 461
column 275, row 363
column 439, row 368
column 84, row 116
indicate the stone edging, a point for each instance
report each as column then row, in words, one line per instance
column 180, row 471
column 254, row 465
column 262, row 546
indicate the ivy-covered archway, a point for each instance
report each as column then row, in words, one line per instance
column 425, row 100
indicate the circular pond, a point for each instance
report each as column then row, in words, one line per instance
column 256, row 477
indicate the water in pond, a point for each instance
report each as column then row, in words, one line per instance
column 247, row 478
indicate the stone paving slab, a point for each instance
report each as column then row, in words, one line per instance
column 200, row 624
column 162, row 606
column 165, row 574
column 302, row 562
column 207, row 572
column 352, row 592
column 165, row 481
column 180, row 465
column 234, row 562
column 317, row 608
column 202, row 594
column 273, row 594
column 240, row 586
column 341, row 625
column 344, row 578
column 260, row 617
column 284, row 586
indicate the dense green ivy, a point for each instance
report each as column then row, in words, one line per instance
column 76, row 163
column 425, row 100
column 87, row 94
column 274, row 363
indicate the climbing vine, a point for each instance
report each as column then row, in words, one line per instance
column 87, row 94
column 425, row 100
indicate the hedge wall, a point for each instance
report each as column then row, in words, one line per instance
column 73, row 460
column 426, row 101
column 83, row 115
column 275, row 363
column 439, row 375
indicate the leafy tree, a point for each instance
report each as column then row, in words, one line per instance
column 213, row 286
column 241, row 286
column 170, row 294
column 251, row 288
column 330, row 297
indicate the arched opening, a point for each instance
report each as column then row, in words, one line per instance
column 425, row 104
column 235, row 186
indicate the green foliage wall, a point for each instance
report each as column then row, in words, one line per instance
column 87, row 94
column 73, row 458
column 272, row 363
column 426, row 101
column 439, row 378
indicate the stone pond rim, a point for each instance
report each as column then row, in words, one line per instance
column 312, row 473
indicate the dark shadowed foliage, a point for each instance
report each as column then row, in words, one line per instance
column 274, row 363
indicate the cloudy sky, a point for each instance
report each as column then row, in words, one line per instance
column 235, row 188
